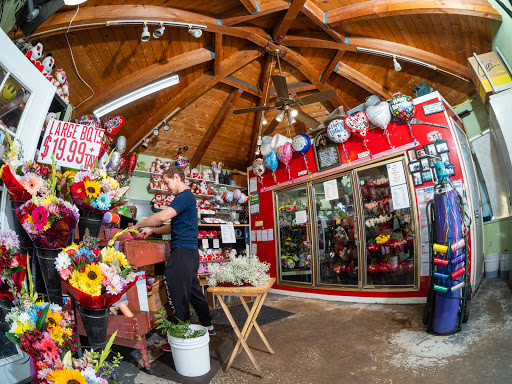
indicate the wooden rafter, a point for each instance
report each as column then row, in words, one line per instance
column 363, row 81
column 193, row 91
column 296, row 87
column 214, row 127
column 234, row 20
column 316, row 15
column 141, row 78
column 243, row 85
column 251, row 5
column 219, row 52
column 329, row 69
column 373, row 9
column 288, row 19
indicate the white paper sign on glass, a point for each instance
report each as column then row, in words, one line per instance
column 253, row 235
column 254, row 248
column 228, row 233
column 264, row 235
column 258, row 235
column 73, row 145
column 400, row 197
column 301, row 217
column 216, row 243
column 253, row 185
column 331, row 190
column 396, row 173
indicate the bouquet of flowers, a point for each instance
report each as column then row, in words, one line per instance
column 240, row 271
column 12, row 265
column 96, row 191
column 95, row 278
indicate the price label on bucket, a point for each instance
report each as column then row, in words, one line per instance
column 74, row 145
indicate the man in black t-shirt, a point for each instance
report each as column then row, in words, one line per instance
column 181, row 269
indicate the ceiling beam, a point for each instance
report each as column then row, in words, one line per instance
column 141, row 78
column 368, row 10
column 333, row 63
column 318, row 17
column 363, row 81
column 219, row 52
column 234, row 19
column 295, row 87
column 437, row 61
column 288, row 19
column 214, row 127
column 252, row 6
column 192, row 92
column 243, row 85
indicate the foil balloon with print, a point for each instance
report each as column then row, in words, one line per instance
column 271, row 162
column 358, row 124
column 402, row 108
column 301, row 144
column 338, row 133
column 113, row 124
column 121, row 144
column 285, row 154
column 89, row 120
column 132, row 163
column 123, row 163
column 259, row 169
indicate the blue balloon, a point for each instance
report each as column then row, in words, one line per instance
column 271, row 161
column 301, row 143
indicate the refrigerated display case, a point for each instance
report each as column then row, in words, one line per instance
column 362, row 239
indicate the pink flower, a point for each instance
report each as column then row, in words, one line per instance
column 40, row 217
column 64, row 273
column 32, row 184
column 14, row 263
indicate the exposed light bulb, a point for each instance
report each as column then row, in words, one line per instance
column 257, row 153
column 263, row 118
column 166, row 126
column 158, row 33
column 156, row 132
column 145, row 33
column 259, row 142
column 280, row 116
column 397, row 65
column 294, row 113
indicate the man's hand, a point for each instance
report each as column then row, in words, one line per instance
column 147, row 232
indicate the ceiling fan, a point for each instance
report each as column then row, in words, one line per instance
column 287, row 104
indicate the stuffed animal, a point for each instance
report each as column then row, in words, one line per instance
column 168, row 200
column 203, row 188
column 61, row 82
column 156, row 201
column 211, row 189
column 141, row 166
column 193, row 188
column 35, row 53
column 207, row 174
column 49, row 116
column 156, row 182
column 48, row 66
column 194, row 173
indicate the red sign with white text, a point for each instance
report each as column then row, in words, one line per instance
column 74, row 145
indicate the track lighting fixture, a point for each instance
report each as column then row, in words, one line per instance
column 166, row 126
column 145, row 33
column 259, row 142
column 196, row 32
column 145, row 143
column 280, row 116
column 257, row 153
column 157, row 33
column 397, row 65
column 294, row 113
column 263, row 118
column 156, row 132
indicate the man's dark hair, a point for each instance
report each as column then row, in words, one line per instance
column 175, row 170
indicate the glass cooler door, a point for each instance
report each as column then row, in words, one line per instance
column 336, row 228
column 293, row 229
column 389, row 237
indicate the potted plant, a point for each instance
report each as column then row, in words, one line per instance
column 189, row 345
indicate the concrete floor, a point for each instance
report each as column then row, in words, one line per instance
column 332, row 342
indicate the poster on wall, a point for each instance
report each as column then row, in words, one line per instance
column 73, row 145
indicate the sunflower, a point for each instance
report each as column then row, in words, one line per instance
column 89, row 287
column 53, row 318
column 75, row 279
column 92, row 188
column 93, row 273
column 67, row 376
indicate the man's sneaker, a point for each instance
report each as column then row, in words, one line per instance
column 166, row 347
column 211, row 330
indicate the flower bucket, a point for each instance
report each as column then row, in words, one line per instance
column 52, row 282
column 191, row 356
column 91, row 220
column 25, row 241
column 95, row 323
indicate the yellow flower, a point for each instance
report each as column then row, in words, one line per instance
column 92, row 188
column 109, row 255
column 48, row 200
column 93, row 273
column 53, row 318
column 21, row 328
column 87, row 287
column 56, row 334
column 75, row 279
column 67, row 376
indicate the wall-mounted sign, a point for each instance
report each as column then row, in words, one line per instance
column 431, row 108
column 326, row 152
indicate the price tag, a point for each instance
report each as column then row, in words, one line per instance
column 73, row 145
column 216, row 243
column 205, row 244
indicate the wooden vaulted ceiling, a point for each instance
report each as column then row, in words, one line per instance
column 227, row 67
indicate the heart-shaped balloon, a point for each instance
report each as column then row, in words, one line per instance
column 379, row 114
column 358, row 124
column 123, row 163
column 132, row 163
column 113, row 124
column 258, row 167
column 402, row 107
column 271, row 161
column 285, row 153
column 301, row 143
column 103, row 148
column 337, row 132
column 371, row 101
column 265, row 145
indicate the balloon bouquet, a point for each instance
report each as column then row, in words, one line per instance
column 285, row 154
column 358, row 125
column 380, row 116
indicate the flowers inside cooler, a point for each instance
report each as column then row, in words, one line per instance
column 295, row 250
column 388, row 231
column 337, row 232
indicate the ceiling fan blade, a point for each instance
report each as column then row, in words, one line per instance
column 280, row 86
column 316, row 97
column 308, row 120
column 273, row 124
column 253, row 109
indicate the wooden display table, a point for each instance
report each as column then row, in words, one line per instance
column 260, row 293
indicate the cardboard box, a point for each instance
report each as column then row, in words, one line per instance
column 157, row 297
column 497, row 71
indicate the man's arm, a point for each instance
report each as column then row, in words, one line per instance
column 164, row 230
column 157, row 219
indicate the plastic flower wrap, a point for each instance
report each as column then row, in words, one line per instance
column 244, row 270
column 12, row 265
column 48, row 221
column 96, row 191
column 95, row 278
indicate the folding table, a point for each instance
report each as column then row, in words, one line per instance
column 260, row 293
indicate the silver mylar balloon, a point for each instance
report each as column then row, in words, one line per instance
column 115, row 160
column 103, row 160
column 371, row 101
column 121, row 144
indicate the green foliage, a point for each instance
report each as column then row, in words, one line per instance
column 181, row 330
column 41, row 320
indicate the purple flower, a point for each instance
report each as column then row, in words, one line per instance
column 9, row 239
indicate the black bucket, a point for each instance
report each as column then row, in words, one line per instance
column 52, row 282
column 95, row 323
column 25, row 241
column 5, row 306
column 37, row 275
column 91, row 220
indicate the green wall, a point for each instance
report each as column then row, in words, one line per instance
column 497, row 237
column 502, row 31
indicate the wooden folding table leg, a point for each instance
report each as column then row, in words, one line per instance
column 240, row 338
column 256, row 326
column 144, row 354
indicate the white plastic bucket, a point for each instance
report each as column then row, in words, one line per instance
column 504, row 265
column 191, row 356
column 492, row 262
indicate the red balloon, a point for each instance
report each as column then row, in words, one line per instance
column 103, row 148
column 132, row 163
column 123, row 163
column 113, row 124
